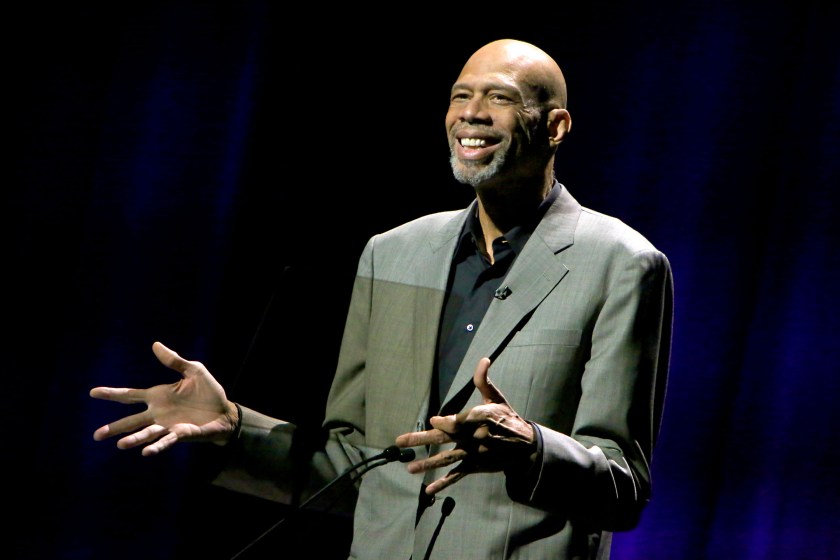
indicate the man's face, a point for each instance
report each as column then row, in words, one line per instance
column 491, row 123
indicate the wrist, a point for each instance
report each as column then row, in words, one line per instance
column 234, row 415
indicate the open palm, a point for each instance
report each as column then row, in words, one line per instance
column 195, row 408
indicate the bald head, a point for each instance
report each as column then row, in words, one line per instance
column 507, row 115
column 526, row 64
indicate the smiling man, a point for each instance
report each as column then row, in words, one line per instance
column 568, row 311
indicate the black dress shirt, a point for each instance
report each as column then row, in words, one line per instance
column 473, row 282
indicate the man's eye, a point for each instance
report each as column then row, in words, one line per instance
column 459, row 97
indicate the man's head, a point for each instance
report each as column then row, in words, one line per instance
column 507, row 115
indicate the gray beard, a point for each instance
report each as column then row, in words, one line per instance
column 474, row 173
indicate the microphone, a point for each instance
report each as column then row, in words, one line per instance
column 445, row 511
column 388, row 455
column 503, row 292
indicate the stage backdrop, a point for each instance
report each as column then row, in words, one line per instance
column 200, row 173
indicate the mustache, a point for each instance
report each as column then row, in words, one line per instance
column 478, row 128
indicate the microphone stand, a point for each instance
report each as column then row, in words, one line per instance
column 389, row 455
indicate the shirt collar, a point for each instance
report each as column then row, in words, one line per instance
column 518, row 235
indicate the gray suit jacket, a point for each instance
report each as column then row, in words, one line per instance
column 580, row 347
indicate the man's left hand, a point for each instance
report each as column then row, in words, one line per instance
column 488, row 438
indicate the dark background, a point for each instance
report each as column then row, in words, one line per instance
column 168, row 161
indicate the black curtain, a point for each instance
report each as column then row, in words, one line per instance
column 206, row 174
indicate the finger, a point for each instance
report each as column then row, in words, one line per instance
column 449, row 424
column 160, row 445
column 451, row 478
column 123, row 425
column 119, row 394
column 427, row 437
column 170, row 436
column 170, row 358
column 482, row 381
column 146, row 435
column 442, row 459
column 461, row 424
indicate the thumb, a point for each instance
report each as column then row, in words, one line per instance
column 170, row 358
column 481, row 380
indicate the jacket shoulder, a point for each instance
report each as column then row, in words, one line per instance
column 603, row 230
column 422, row 225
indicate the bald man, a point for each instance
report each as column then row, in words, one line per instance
column 519, row 347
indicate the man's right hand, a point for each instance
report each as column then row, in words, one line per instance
column 192, row 409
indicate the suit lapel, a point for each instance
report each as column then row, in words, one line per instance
column 532, row 276
column 434, row 272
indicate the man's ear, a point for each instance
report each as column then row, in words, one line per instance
column 559, row 125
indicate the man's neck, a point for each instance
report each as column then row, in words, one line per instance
column 502, row 208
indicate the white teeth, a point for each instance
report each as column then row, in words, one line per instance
column 473, row 142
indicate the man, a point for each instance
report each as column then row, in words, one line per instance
column 568, row 309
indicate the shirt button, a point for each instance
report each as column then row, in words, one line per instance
column 470, row 327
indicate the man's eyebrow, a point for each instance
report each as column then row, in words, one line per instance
column 488, row 86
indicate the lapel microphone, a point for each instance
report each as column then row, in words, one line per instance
column 388, row 455
column 503, row 292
